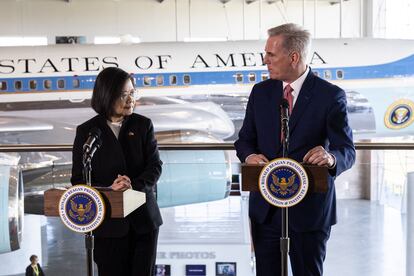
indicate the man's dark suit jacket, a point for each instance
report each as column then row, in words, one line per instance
column 319, row 117
column 30, row 271
column 134, row 154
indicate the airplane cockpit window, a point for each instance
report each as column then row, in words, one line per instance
column 147, row 80
column 252, row 77
column 18, row 85
column 61, row 84
column 173, row 80
column 160, row 80
column 33, row 84
column 239, row 77
column 339, row 74
column 265, row 76
column 3, row 85
column 187, row 79
column 47, row 84
column 327, row 74
column 75, row 83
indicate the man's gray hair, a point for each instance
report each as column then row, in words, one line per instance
column 296, row 38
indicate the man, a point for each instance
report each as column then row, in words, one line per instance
column 34, row 268
column 319, row 134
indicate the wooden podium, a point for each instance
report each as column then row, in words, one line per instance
column 117, row 204
column 318, row 177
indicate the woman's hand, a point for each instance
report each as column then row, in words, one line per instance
column 121, row 183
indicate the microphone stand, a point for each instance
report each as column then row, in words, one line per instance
column 87, row 172
column 284, row 239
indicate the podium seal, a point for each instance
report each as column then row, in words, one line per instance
column 81, row 208
column 283, row 182
column 399, row 114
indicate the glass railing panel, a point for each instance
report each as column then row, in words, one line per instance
column 203, row 223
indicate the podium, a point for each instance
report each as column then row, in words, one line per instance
column 118, row 204
column 318, row 177
column 318, row 183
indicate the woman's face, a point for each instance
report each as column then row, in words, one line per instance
column 125, row 104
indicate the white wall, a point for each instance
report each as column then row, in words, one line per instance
column 172, row 19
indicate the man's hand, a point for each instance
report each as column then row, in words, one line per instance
column 121, row 183
column 319, row 156
column 256, row 159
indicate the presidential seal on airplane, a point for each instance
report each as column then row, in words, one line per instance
column 399, row 114
column 283, row 182
column 81, row 208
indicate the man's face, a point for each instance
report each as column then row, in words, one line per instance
column 278, row 59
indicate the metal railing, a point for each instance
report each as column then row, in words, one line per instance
column 195, row 146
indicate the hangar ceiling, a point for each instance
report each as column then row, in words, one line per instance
column 252, row 1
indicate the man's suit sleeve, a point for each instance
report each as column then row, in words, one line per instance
column 340, row 135
column 152, row 170
column 247, row 142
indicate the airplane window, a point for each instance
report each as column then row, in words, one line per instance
column 160, row 80
column 33, row 84
column 47, row 84
column 252, row 77
column 173, row 80
column 75, row 83
column 187, row 79
column 316, row 73
column 61, row 84
column 3, row 85
column 239, row 77
column 265, row 76
column 327, row 74
column 339, row 74
column 18, row 85
column 147, row 80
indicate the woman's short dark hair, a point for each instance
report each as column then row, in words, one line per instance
column 32, row 258
column 107, row 89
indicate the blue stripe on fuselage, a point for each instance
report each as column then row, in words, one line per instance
column 400, row 68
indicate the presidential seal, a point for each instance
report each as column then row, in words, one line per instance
column 283, row 182
column 81, row 208
column 399, row 114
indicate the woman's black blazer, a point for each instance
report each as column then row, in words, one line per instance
column 135, row 154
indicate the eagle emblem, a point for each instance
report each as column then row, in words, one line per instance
column 283, row 186
column 81, row 211
column 400, row 115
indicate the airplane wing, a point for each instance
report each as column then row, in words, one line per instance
column 22, row 124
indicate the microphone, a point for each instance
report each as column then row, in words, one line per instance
column 95, row 147
column 93, row 136
column 284, row 108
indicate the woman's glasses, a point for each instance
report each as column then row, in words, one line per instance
column 126, row 94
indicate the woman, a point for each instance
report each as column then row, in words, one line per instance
column 127, row 159
column 34, row 268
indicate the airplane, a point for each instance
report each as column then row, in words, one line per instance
column 193, row 92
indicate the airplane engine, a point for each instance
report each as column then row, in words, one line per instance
column 11, row 203
column 192, row 176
